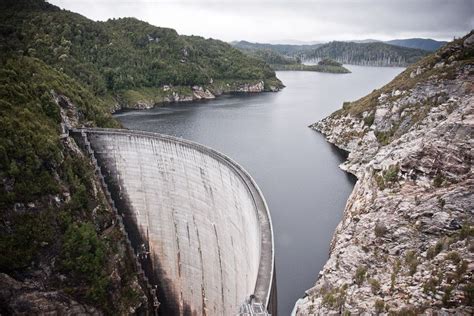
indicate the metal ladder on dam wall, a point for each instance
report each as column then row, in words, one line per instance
column 153, row 301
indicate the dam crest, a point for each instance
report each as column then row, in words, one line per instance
column 198, row 224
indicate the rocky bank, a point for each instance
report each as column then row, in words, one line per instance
column 405, row 244
column 149, row 98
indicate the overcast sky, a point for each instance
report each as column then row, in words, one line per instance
column 292, row 20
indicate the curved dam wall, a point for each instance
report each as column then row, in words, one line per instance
column 197, row 221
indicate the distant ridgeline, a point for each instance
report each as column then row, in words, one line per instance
column 371, row 54
column 279, row 61
column 126, row 60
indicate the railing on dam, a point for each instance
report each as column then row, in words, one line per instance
column 264, row 287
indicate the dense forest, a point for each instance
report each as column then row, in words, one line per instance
column 372, row 53
column 122, row 54
column 283, row 49
column 278, row 61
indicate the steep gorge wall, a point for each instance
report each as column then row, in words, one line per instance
column 197, row 220
column 405, row 245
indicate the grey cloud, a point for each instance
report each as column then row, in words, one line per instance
column 261, row 20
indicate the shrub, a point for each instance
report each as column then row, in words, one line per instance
column 379, row 180
column 20, row 245
column 438, row 180
column 391, row 174
column 335, row 297
column 434, row 250
column 380, row 229
column 83, row 257
column 430, row 285
column 374, row 285
column 369, row 119
column 412, row 261
column 468, row 290
column 447, row 296
column 454, row 257
column 379, row 306
column 360, row 275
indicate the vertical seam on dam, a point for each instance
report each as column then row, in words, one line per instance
column 153, row 172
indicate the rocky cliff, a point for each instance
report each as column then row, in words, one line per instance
column 405, row 244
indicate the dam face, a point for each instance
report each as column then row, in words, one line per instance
column 196, row 220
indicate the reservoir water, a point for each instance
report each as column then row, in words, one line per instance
column 294, row 166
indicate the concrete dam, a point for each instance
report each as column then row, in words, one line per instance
column 197, row 222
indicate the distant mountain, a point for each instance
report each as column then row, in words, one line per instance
column 288, row 50
column 371, row 54
column 122, row 59
column 288, row 57
column 364, row 53
column 369, row 40
column 419, row 43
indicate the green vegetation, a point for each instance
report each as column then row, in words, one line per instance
column 387, row 178
column 48, row 207
column 380, row 229
column 360, row 275
column 438, row 180
column 334, row 67
column 434, row 250
column 469, row 293
column 374, row 285
column 49, row 211
column 391, row 174
column 83, row 255
column 30, row 148
column 404, row 81
column 395, row 270
column 375, row 54
column 379, row 306
column 281, row 62
column 411, row 261
column 334, row 297
column 111, row 57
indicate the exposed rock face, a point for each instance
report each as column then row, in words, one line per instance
column 405, row 244
column 257, row 87
column 28, row 298
column 168, row 94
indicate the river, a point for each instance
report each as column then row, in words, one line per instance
column 294, row 166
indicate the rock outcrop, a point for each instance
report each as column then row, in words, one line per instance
column 173, row 94
column 405, row 244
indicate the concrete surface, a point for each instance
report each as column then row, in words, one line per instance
column 195, row 216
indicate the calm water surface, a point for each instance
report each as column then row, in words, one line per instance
column 294, row 166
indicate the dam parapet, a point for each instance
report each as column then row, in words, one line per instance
column 197, row 222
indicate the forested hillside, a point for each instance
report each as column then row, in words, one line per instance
column 116, row 56
column 279, row 61
column 371, row 53
column 374, row 54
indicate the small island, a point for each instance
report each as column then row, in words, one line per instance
column 324, row 65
